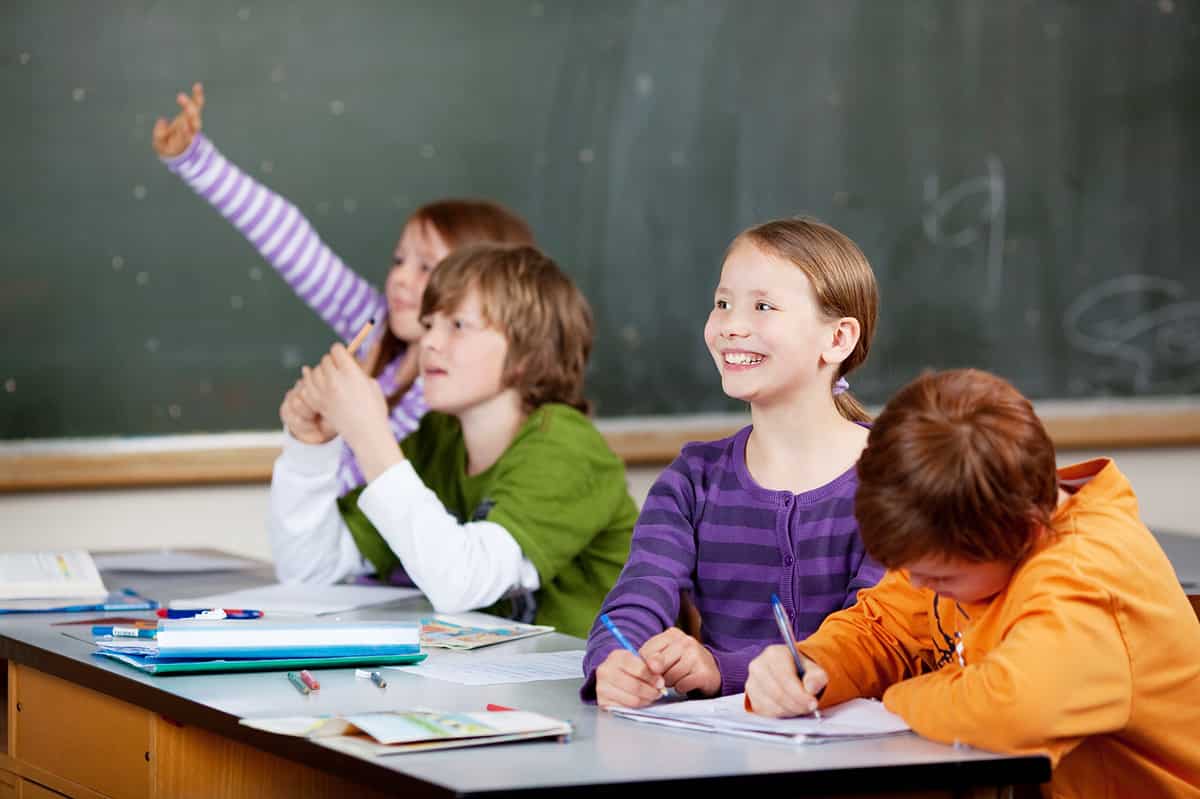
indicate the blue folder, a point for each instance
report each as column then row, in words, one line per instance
column 125, row 599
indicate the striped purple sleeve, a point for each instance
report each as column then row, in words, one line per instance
column 283, row 236
column 662, row 559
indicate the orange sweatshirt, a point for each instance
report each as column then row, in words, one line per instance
column 1091, row 654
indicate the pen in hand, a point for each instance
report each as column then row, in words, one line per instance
column 624, row 642
column 785, row 632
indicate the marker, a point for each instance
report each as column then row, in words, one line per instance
column 374, row 676
column 623, row 641
column 295, row 680
column 785, row 632
column 123, row 632
column 209, row 613
column 353, row 346
column 499, row 708
column 310, row 680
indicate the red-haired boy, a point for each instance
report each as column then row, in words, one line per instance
column 1024, row 610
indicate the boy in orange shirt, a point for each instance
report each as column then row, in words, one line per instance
column 1024, row 610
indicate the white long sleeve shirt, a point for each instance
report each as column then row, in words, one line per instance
column 457, row 566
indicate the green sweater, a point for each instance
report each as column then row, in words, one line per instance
column 557, row 489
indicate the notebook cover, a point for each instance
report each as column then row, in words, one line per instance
column 153, row 666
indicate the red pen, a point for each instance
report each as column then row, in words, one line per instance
column 310, row 680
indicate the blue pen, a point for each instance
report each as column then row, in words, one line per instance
column 117, row 631
column 623, row 641
column 785, row 631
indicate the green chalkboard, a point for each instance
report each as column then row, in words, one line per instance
column 1024, row 177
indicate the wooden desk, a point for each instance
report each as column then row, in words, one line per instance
column 85, row 727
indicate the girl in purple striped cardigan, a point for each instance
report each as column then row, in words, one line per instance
column 340, row 296
column 769, row 510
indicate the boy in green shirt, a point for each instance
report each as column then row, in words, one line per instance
column 506, row 497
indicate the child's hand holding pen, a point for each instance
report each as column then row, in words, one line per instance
column 775, row 687
column 787, row 682
column 625, row 678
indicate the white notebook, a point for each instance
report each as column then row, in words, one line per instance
column 300, row 600
column 856, row 719
column 50, row 575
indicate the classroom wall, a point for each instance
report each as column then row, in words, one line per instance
column 233, row 517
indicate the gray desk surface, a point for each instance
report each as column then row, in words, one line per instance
column 605, row 751
column 1184, row 553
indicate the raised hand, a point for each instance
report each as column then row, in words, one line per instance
column 172, row 138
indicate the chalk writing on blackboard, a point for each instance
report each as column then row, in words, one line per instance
column 988, row 227
column 1144, row 326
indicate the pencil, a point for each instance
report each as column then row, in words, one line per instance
column 357, row 341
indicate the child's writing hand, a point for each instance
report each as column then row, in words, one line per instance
column 354, row 405
column 623, row 679
column 685, row 664
column 172, row 138
column 774, row 688
column 304, row 423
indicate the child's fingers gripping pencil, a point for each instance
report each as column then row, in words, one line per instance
column 785, row 632
column 624, row 642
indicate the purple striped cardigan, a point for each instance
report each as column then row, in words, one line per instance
column 708, row 528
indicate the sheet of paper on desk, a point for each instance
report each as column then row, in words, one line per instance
column 169, row 561
column 856, row 719
column 300, row 600
column 483, row 670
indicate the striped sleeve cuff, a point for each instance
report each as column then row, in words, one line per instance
column 178, row 162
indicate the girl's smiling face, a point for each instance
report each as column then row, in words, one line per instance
column 766, row 333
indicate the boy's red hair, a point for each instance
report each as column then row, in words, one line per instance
column 957, row 465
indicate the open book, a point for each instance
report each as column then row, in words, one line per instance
column 49, row 575
column 402, row 731
column 856, row 719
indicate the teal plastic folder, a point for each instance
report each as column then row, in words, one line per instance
column 152, row 665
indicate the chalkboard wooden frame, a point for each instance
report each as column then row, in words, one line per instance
column 229, row 459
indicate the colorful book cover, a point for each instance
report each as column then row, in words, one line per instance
column 446, row 632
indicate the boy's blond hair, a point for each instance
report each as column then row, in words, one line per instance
column 541, row 312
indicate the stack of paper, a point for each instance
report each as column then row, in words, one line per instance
column 189, row 645
column 399, row 732
column 856, row 719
